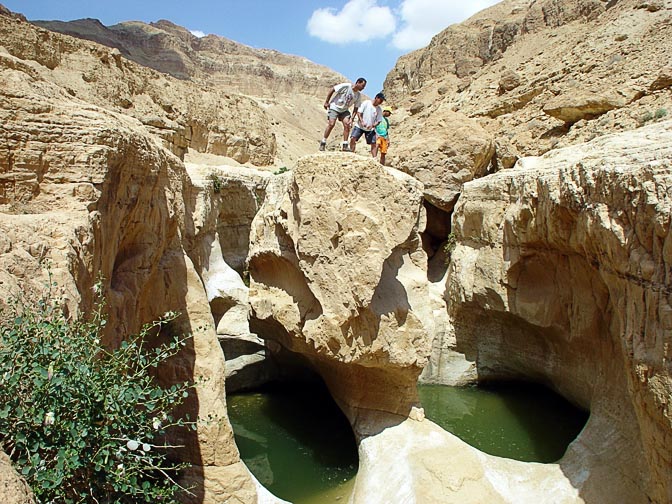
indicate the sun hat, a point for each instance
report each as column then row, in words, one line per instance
column 387, row 109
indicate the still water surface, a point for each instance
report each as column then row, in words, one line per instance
column 299, row 445
column 296, row 441
column 516, row 420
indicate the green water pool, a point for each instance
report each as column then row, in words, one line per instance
column 296, row 441
column 300, row 446
column 516, row 420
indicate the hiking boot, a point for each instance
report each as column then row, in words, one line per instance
column 345, row 148
column 323, row 145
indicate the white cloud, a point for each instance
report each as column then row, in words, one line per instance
column 197, row 33
column 422, row 19
column 358, row 21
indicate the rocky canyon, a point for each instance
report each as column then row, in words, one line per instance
column 521, row 230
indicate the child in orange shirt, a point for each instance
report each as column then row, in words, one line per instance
column 383, row 135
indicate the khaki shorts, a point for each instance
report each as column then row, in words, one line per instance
column 335, row 114
column 382, row 144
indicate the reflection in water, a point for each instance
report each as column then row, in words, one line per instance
column 515, row 420
column 296, row 441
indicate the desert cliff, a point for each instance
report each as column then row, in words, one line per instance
column 535, row 137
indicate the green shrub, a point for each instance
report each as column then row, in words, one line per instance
column 216, row 182
column 648, row 116
column 449, row 246
column 82, row 423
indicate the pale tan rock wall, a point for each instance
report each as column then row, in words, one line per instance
column 561, row 276
column 537, row 75
column 95, row 194
column 182, row 114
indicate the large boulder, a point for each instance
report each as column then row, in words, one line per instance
column 337, row 273
column 577, row 105
column 418, row 461
column 443, row 150
column 663, row 80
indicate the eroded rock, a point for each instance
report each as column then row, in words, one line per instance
column 664, row 79
column 336, row 269
column 446, row 150
column 577, row 106
column 13, row 488
column 93, row 193
column 561, row 271
column 509, row 81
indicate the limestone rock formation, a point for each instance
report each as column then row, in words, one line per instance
column 574, row 107
column 509, row 81
column 560, row 273
column 94, row 193
column 564, row 262
column 226, row 202
column 289, row 89
column 445, row 150
column 172, row 49
column 664, row 79
column 354, row 320
column 181, row 114
column 417, row 461
column 596, row 67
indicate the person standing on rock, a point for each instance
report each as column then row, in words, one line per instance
column 383, row 135
column 337, row 105
column 370, row 114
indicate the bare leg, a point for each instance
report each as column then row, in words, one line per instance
column 353, row 144
column 330, row 126
column 382, row 159
column 347, row 122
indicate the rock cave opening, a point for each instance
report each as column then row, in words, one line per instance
column 435, row 238
column 292, row 435
column 520, row 420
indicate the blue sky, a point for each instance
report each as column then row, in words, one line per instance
column 358, row 38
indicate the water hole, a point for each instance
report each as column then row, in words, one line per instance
column 296, row 441
column 521, row 421
column 299, row 445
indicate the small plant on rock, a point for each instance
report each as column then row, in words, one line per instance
column 80, row 422
column 449, row 246
column 649, row 116
column 216, row 182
